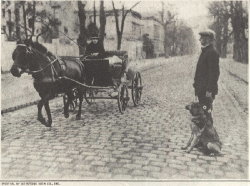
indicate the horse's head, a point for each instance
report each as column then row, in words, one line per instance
column 22, row 58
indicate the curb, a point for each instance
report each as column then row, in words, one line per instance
column 11, row 109
column 18, row 107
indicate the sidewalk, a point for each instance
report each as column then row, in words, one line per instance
column 17, row 91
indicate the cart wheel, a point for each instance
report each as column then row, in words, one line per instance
column 89, row 96
column 136, row 89
column 89, row 93
column 122, row 98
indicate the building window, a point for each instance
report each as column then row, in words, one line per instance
column 136, row 30
column 156, row 32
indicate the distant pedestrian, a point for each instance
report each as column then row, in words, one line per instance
column 207, row 70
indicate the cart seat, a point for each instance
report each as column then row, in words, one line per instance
column 104, row 71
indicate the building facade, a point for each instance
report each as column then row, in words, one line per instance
column 66, row 25
column 135, row 27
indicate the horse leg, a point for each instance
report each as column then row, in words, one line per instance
column 66, row 108
column 80, row 93
column 66, row 105
column 47, row 108
column 39, row 114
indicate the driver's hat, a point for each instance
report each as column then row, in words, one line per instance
column 208, row 32
column 94, row 37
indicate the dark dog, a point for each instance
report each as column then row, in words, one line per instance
column 203, row 131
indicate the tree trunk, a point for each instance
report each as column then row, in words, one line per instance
column 24, row 20
column 124, row 14
column 165, row 42
column 94, row 13
column 119, row 41
column 33, row 19
column 82, row 40
column 17, row 20
column 240, row 47
column 223, row 52
column 102, row 21
column 225, row 38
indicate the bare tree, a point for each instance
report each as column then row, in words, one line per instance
column 82, row 40
column 102, row 21
column 94, row 13
column 120, row 28
column 165, row 21
column 231, row 14
column 239, row 19
column 24, row 18
column 221, row 14
column 32, row 20
column 17, row 20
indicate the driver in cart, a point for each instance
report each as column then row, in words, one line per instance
column 95, row 50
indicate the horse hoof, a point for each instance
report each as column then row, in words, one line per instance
column 183, row 148
column 66, row 115
column 48, row 125
column 42, row 120
column 78, row 117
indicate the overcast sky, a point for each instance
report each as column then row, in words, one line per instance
column 185, row 8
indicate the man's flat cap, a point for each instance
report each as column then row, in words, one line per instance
column 208, row 32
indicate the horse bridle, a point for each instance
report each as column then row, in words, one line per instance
column 29, row 50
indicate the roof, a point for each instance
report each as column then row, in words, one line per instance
column 151, row 18
column 111, row 13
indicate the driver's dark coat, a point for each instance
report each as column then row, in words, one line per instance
column 95, row 48
column 207, row 71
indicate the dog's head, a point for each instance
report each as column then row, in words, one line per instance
column 199, row 116
column 196, row 109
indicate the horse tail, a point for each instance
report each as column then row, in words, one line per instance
column 82, row 69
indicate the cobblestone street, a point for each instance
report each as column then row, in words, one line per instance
column 143, row 143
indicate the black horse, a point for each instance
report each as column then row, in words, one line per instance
column 46, row 69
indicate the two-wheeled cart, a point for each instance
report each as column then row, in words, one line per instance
column 107, row 78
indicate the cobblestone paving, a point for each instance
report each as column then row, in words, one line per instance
column 143, row 143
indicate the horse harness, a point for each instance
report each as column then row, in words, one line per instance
column 49, row 56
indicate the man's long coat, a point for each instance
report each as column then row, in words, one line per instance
column 207, row 71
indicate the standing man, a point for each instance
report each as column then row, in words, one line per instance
column 207, row 70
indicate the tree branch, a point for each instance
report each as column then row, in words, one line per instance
column 33, row 19
column 129, row 10
column 116, row 18
column 24, row 20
